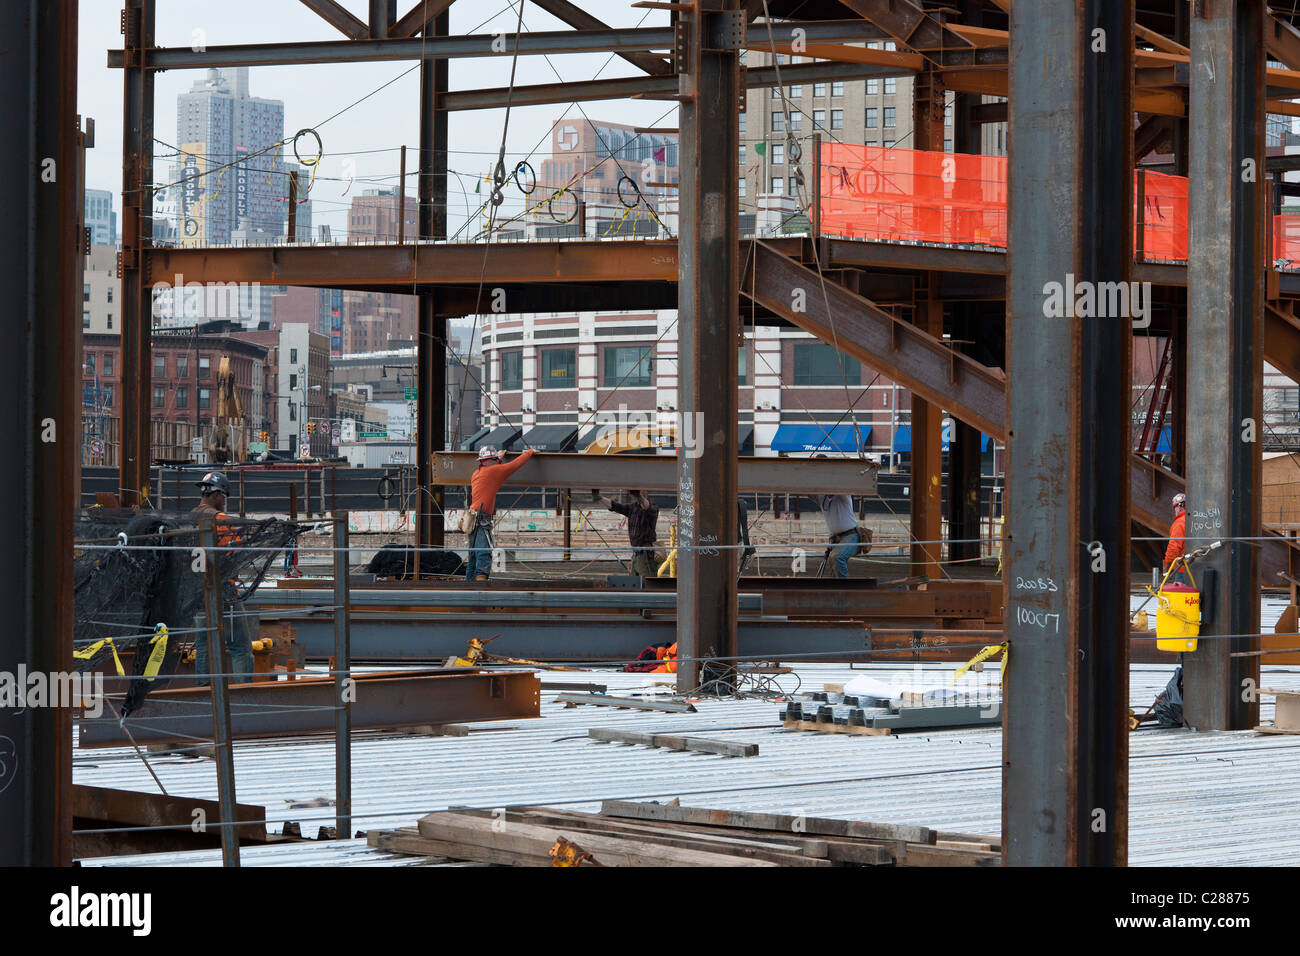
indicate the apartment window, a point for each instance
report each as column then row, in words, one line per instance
column 293, row 409
column 819, row 119
column 627, row 365
column 108, row 396
column 742, row 185
column 85, row 293
column 947, row 146
column 182, row 366
column 889, row 143
column 837, row 88
column 819, row 89
column 947, row 115
column 778, row 186
column 182, row 397
column 776, row 92
column 742, row 366
column 837, row 119
column 816, row 363
column 796, row 121
column 90, row 362
column 293, row 381
column 742, row 122
column 891, row 85
column 778, row 122
column 873, row 117
column 293, row 355
column 891, row 117
column 558, row 368
column 110, row 288
column 160, row 366
column 108, row 363
column 85, row 320
column 778, row 154
column 159, row 396
column 512, row 370
column 110, row 321
column 205, row 366
column 873, row 87
column 796, row 92
column 742, row 155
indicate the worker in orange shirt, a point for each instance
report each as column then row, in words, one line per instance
column 490, row 475
column 1177, row 531
column 240, row 623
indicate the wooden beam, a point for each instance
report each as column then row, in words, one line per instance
column 339, row 18
column 726, row 748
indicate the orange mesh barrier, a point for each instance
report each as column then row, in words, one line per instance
column 908, row 195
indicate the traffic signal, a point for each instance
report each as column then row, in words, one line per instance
column 262, row 436
column 311, row 428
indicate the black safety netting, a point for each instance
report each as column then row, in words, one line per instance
column 134, row 570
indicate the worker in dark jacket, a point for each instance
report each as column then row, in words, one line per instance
column 642, row 518
column 240, row 623
column 487, row 481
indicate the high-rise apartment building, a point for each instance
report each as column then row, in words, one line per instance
column 101, row 220
column 377, row 320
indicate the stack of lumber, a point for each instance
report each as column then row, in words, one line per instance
column 651, row 834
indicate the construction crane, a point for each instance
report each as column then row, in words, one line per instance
column 226, row 440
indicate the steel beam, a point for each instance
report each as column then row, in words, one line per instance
column 1225, row 316
column 336, row 16
column 102, row 808
column 40, row 277
column 1065, row 734
column 137, row 236
column 659, row 472
column 708, row 335
column 419, row 17
column 307, row 706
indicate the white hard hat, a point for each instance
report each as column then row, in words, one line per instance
column 487, row 451
column 1180, row 500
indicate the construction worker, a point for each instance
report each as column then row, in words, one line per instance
column 239, row 624
column 641, row 517
column 488, row 478
column 1177, row 531
column 842, row 525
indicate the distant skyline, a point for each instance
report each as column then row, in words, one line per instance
column 361, row 146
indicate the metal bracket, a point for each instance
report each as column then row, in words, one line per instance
column 742, row 90
column 681, row 38
column 725, row 30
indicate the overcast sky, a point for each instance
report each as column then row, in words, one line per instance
column 384, row 121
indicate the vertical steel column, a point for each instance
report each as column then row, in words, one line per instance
column 40, row 374
column 1225, row 303
column 431, row 347
column 137, row 236
column 925, row 491
column 708, row 327
column 342, row 682
column 219, row 661
column 1065, row 742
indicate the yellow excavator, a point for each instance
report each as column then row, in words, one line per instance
column 226, row 440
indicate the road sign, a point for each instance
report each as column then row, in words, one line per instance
column 374, row 434
column 304, row 450
column 410, row 394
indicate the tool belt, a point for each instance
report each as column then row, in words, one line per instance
column 837, row 538
column 864, row 538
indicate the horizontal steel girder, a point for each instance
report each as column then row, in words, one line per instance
column 307, row 706
column 832, row 476
column 102, row 807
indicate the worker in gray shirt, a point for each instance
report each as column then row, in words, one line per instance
column 842, row 525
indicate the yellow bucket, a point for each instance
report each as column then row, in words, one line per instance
column 1178, row 617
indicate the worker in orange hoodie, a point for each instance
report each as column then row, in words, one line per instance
column 491, row 474
column 1177, row 531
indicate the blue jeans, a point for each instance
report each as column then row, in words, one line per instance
column 842, row 551
column 479, row 560
column 239, row 628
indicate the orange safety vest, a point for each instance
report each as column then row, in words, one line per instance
column 668, row 658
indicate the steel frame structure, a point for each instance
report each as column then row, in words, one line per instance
column 946, row 52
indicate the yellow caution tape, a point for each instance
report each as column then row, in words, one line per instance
column 159, row 644
column 98, row 646
column 1004, row 649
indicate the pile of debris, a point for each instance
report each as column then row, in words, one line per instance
column 652, row 834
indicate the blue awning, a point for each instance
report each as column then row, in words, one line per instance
column 903, row 439
column 820, row 438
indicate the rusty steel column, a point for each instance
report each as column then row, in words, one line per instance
column 708, row 327
column 40, row 279
column 1065, row 740
column 431, row 344
column 1225, row 304
column 925, row 485
column 137, row 236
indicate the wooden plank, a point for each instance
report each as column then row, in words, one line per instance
column 626, row 703
column 819, row 727
column 411, row 843
column 706, row 745
column 936, row 856
column 766, row 821
column 527, row 841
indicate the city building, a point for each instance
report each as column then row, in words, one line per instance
column 321, row 309
column 389, row 378
column 101, row 220
column 374, row 321
column 295, row 387
column 101, row 292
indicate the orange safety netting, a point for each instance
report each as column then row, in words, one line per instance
column 906, row 195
